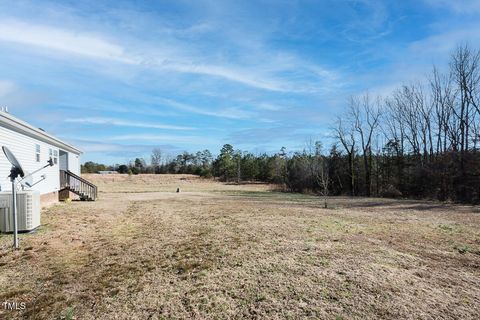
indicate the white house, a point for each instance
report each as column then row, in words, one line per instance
column 33, row 147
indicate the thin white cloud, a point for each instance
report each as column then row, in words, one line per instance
column 265, row 74
column 100, row 147
column 442, row 44
column 106, row 148
column 62, row 40
column 415, row 62
column 268, row 106
column 6, row 87
column 161, row 138
column 230, row 73
column 459, row 6
column 228, row 113
column 366, row 27
column 124, row 123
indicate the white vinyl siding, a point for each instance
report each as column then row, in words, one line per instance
column 74, row 163
column 25, row 149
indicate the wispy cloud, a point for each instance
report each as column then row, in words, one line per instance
column 459, row 6
column 415, row 62
column 268, row 106
column 124, row 123
column 368, row 21
column 118, row 150
column 441, row 44
column 61, row 39
column 256, row 135
column 244, row 76
column 162, row 138
column 6, row 87
column 264, row 75
column 228, row 113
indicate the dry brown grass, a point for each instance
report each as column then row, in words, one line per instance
column 225, row 251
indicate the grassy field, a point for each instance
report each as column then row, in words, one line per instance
column 143, row 251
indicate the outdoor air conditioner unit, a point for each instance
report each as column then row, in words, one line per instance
column 28, row 211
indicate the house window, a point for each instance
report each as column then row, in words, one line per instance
column 53, row 154
column 37, row 152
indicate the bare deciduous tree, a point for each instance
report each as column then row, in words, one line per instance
column 346, row 135
column 156, row 159
column 323, row 178
column 365, row 115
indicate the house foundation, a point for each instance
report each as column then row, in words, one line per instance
column 48, row 199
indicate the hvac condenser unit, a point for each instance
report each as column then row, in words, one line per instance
column 28, row 211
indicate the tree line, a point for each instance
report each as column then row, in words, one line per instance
column 422, row 141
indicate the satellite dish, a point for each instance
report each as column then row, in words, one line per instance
column 27, row 181
column 17, row 169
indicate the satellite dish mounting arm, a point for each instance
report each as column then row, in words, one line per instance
column 49, row 164
column 14, row 173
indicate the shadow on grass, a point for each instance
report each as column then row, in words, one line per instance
column 338, row 202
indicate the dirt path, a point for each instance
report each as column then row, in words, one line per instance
column 220, row 251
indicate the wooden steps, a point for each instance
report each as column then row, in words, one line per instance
column 69, row 181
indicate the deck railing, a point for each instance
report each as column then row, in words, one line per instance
column 85, row 189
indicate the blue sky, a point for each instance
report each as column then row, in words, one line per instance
column 119, row 78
